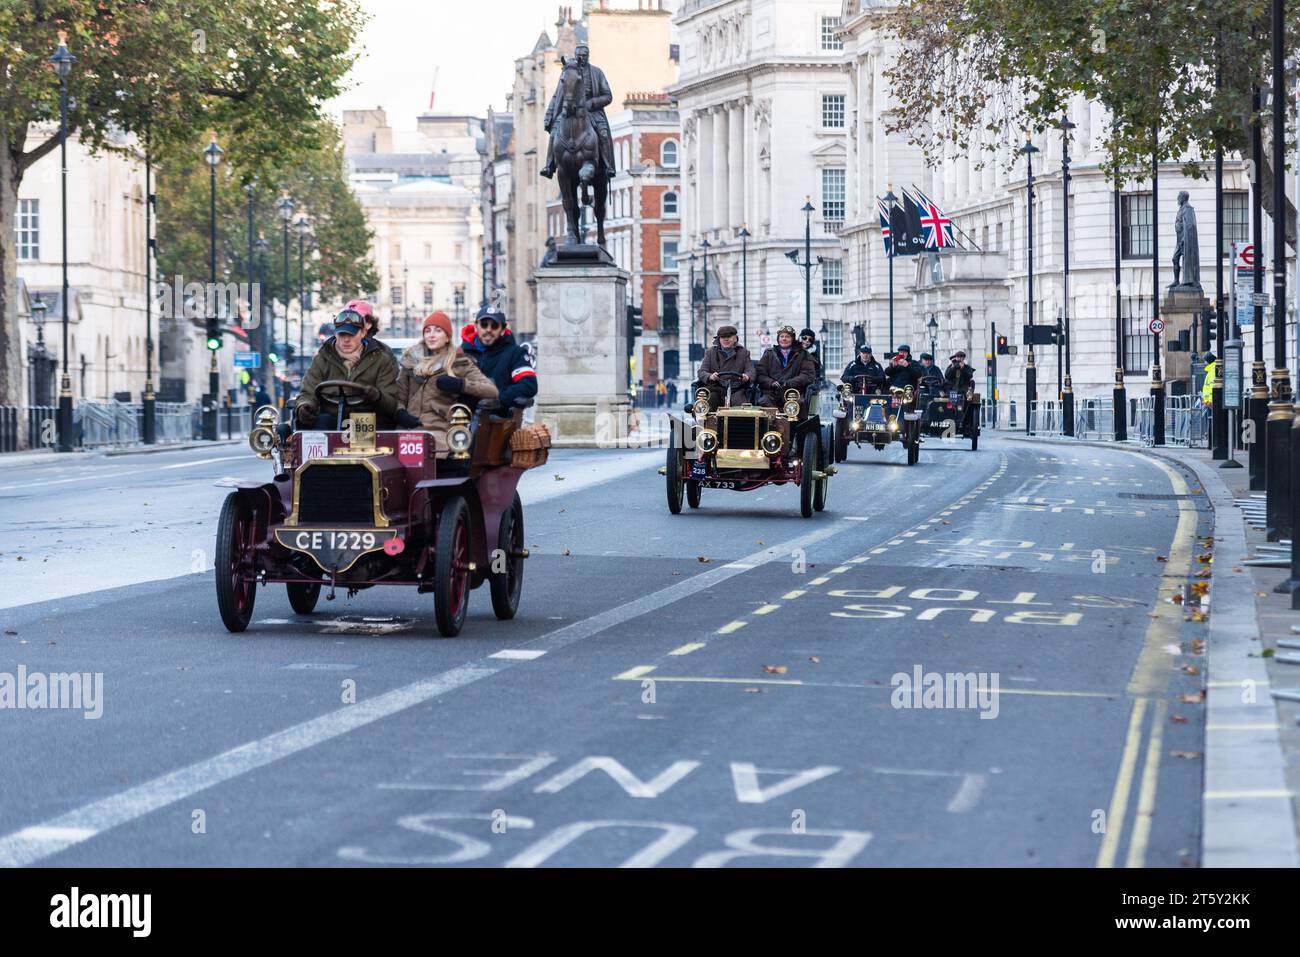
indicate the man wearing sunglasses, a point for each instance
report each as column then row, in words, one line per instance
column 350, row 355
column 489, row 342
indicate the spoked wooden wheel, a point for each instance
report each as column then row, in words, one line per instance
column 693, row 491
column 673, row 479
column 507, row 584
column 236, row 566
column 451, row 570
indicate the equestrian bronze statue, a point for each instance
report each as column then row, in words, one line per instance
column 581, row 149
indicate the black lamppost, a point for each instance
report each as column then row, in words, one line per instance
column 1031, row 374
column 262, row 336
column 1157, row 380
column 1219, row 412
column 302, row 226
column 744, row 286
column 212, row 154
column 808, row 263
column 1120, row 401
column 1065, row 388
column 63, row 61
column 1279, row 501
column 1258, row 374
column 690, row 344
column 285, row 206
column 933, row 327
column 267, row 325
column 891, row 201
column 148, row 400
column 39, row 361
column 703, row 327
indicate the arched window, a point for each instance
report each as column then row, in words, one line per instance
column 668, row 154
column 670, row 205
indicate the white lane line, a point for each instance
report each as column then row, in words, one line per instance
column 36, row 842
column 107, row 475
column 517, row 654
column 968, row 795
column 185, row 465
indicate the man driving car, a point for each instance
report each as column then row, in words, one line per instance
column 726, row 356
column 349, row 355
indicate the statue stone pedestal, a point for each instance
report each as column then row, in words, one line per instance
column 582, row 352
column 1181, row 303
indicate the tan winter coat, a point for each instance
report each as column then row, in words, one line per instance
column 418, row 392
column 375, row 367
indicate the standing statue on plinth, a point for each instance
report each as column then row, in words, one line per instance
column 581, row 149
column 1187, row 251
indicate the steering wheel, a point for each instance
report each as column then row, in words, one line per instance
column 731, row 375
column 345, row 393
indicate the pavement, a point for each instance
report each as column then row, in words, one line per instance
column 977, row 660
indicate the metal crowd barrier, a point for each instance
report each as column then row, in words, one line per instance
column 177, row 421
column 98, row 424
column 1186, row 424
column 1142, row 430
column 1046, row 417
column 1094, row 418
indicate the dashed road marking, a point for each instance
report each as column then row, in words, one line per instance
column 517, row 654
column 687, row 649
column 731, row 626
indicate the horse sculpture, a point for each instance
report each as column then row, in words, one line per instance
column 577, row 158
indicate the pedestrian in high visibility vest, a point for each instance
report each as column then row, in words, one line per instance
column 1211, row 371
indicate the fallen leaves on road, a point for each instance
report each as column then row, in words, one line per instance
column 1260, row 594
column 1192, row 698
column 1177, row 719
column 1162, row 558
column 559, row 478
column 753, row 690
column 1197, row 616
column 1203, row 573
column 1185, row 754
column 775, row 669
column 815, row 660
column 566, row 552
column 1237, row 570
column 1190, row 670
column 1198, row 646
column 1176, row 599
column 1205, row 559
column 703, row 559
column 10, row 631
column 1200, row 588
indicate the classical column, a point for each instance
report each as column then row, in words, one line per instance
column 704, row 172
column 720, row 168
column 750, row 204
column 736, row 161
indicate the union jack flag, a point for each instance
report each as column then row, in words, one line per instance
column 936, row 226
column 884, row 228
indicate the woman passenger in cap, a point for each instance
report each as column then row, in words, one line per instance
column 434, row 376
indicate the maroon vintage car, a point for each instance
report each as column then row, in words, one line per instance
column 353, row 507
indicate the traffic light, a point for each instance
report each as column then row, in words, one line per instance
column 1003, row 348
column 634, row 327
column 213, row 334
column 989, row 367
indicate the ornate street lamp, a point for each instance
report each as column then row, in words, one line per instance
column 933, row 327
column 1031, row 374
column 301, row 225
column 744, row 235
column 63, row 61
column 285, row 206
column 212, row 155
column 1065, row 389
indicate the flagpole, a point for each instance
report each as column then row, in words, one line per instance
column 890, row 201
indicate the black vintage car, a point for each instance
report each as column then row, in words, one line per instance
column 742, row 446
column 951, row 414
column 873, row 413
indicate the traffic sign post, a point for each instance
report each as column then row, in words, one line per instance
column 247, row 360
column 1156, row 325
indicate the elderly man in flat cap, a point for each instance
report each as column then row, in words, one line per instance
column 726, row 356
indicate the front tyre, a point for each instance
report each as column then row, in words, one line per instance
column 451, row 567
column 819, row 491
column 507, row 584
column 808, row 455
column 841, row 440
column 303, row 596
column 693, row 492
column 235, row 565
column 673, row 479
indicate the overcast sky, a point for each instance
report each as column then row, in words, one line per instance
column 472, row 45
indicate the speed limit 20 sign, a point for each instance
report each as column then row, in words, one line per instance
column 1156, row 326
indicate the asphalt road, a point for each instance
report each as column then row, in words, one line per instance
column 711, row 689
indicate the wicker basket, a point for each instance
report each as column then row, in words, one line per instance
column 528, row 446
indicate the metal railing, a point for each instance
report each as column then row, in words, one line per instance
column 99, row 424
column 177, row 421
column 1142, row 427
column 1186, row 423
column 26, row 427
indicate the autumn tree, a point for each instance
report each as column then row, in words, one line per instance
column 1176, row 78
column 256, row 71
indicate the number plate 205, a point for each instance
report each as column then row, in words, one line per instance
column 335, row 549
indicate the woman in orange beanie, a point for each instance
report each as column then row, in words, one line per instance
column 436, row 375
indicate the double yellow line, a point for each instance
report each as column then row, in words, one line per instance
column 1147, row 685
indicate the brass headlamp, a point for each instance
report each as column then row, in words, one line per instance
column 701, row 406
column 458, row 434
column 791, row 407
column 263, row 438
